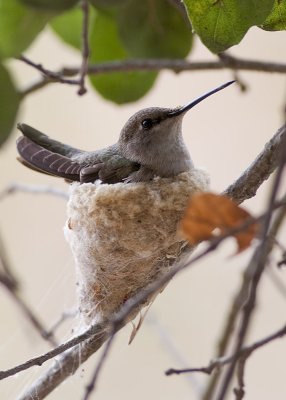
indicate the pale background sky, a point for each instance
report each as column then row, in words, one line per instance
column 224, row 134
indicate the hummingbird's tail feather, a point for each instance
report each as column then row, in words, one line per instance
column 46, row 142
column 38, row 158
column 30, row 166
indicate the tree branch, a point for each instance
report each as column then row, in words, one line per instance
column 177, row 65
column 34, row 189
column 261, row 168
column 85, row 48
column 244, row 352
column 239, row 391
column 91, row 386
column 49, row 76
column 95, row 332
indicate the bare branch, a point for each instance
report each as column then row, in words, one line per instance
column 95, row 331
column 178, row 65
column 34, row 189
column 91, row 386
column 277, row 282
column 67, row 365
column 64, row 316
column 49, row 76
column 85, row 48
column 239, row 391
column 7, row 277
column 244, row 352
column 261, row 168
column 32, row 318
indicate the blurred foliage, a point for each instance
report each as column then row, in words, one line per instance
column 106, row 45
column 153, row 29
column 9, row 103
column 276, row 20
column 56, row 5
column 19, row 26
column 223, row 23
column 124, row 30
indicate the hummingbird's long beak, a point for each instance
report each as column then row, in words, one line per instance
column 187, row 107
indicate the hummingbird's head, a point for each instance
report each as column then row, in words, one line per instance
column 153, row 137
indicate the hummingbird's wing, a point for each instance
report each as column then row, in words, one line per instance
column 38, row 158
column 43, row 154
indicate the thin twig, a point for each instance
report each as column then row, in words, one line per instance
column 67, row 365
column 49, row 75
column 94, row 331
column 282, row 261
column 85, row 48
column 32, row 318
column 91, row 386
column 178, row 65
column 65, row 315
column 7, row 276
column 244, row 352
column 239, row 391
column 33, row 189
column 229, row 326
column 276, row 280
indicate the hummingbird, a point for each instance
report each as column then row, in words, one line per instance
column 150, row 144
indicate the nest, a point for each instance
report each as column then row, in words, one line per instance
column 123, row 236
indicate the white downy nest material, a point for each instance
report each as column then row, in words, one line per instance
column 123, row 236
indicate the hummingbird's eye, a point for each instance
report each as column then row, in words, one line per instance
column 147, row 123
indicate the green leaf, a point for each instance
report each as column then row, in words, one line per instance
column 68, row 26
column 19, row 26
column 223, row 23
column 9, row 104
column 276, row 21
column 120, row 87
column 154, row 29
column 56, row 5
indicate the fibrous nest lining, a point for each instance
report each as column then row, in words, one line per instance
column 123, row 236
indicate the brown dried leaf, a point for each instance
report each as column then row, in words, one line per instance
column 208, row 211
